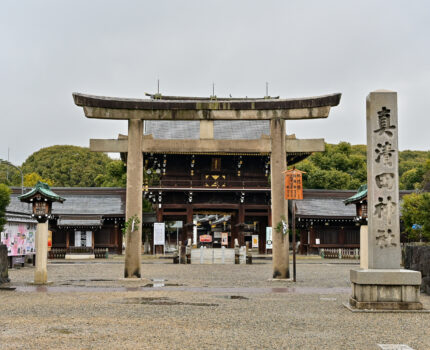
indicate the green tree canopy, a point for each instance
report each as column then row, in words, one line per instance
column 9, row 175
column 340, row 166
column 343, row 166
column 114, row 176
column 68, row 166
column 30, row 180
column 416, row 211
column 4, row 202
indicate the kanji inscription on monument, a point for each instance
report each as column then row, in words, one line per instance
column 382, row 179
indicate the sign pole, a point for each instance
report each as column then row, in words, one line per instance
column 294, row 240
column 293, row 192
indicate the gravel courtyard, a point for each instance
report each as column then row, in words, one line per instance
column 89, row 306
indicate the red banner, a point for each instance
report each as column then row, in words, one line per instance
column 205, row 238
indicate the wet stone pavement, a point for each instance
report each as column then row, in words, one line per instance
column 90, row 306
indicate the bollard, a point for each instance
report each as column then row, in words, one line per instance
column 248, row 256
column 107, row 253
column 177, row 255
column 201, row 255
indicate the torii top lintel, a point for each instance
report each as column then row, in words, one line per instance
column 102, row 107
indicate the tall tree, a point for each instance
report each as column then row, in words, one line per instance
column 4, row 202
column 69, row 166
column 416, row 215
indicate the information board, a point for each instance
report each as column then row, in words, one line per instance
column 293, row 184
column 254, row 241
column 224, row 238
column 19, row 239
column 159, row 233
column 269, row 238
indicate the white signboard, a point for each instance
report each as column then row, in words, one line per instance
column 77, row 238
column 254, row 241
column 317, row 241
column 159, row 233
column 89, row 238
column 83, row 238
column 268, row 238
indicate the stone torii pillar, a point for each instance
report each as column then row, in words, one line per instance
column 134, row 198
column 205, row 110
column 278, row 165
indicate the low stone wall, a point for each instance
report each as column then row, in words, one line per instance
column 418, row 258
column 205, row 255
column 4, row 277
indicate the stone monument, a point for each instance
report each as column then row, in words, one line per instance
column 4, row 276
column 381, row 283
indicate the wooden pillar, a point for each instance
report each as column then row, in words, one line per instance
column 241, row 222
column 278, row 165
column 311, row 239
column 67, row 240
column 234, row 228
column 190, row 226
column 303, row 240
column 342, row 236
column 115, row 237
column 262, row 235
column 159, row 215
column 134, row 198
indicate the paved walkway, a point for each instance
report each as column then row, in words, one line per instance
column 89, row 306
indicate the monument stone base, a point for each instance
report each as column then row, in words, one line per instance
column 377, row 289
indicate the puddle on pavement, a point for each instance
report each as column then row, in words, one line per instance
column 7, row 288
column 60, row 330
column 178, row 288
column 160, row 285
column 161, row 301
column 234, row 297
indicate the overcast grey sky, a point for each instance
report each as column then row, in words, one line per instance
column 50, row 49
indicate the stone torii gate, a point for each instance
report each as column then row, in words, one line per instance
column 206, row 111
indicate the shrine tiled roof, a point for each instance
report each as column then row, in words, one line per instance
column 360, row 195
column 223, row 129
column 79, row 201
column 324, row 207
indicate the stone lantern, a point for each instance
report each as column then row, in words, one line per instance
column 41, row 197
